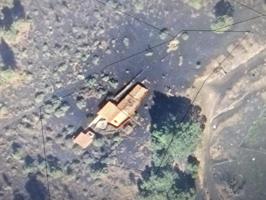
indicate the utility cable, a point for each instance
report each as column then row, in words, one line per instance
column 45, row 156
column 135, row 18
column 195, row 98
column 250, row 8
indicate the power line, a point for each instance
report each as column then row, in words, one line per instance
column 176, row 35
column 250, row 8
column 135, row 18
column 133, row 55
column 165, row 42
column 161, row 44
column 45, row 155
column 196, row 96
column 156, row 46
column 208, row 30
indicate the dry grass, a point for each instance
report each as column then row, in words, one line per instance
column 17, row 32
column 6, row 3
column 11, row 77
column 222, row 24
column 196, row 4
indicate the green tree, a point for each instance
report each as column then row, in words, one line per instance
column 175, row 144
column 165, row 182
column 164, row 186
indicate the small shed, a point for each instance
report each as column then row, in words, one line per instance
column 84, row 139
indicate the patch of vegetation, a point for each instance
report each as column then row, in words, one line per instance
column 17, row 152
column 81, row 102
column 196, row 4
column 6, row 76
column 175, row 137
column 3, row 109
column 11, row 34
column 12, row 77
column 91, row 81
column 183, row 138
column 98, row 85
column 55, row 106
column 109, row 80
column 6, row 3
column 13, row 23
column 167, row 185
column 172, row 175
column 34, row 166
column 222, row 24
column 139, row 5
column 164, row 33
column 39, row 96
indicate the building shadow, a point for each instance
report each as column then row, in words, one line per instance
column 18, row 196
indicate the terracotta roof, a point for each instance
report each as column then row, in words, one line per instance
column 138, row 92
column 84, row 139
column 126, row 108
column 131, row 102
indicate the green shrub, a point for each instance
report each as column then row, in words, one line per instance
column 6, row 3
column 18, row 155
column 13, row 77
column 196, row 4
column 222, row 24
column 99, row 142
column 12, row 35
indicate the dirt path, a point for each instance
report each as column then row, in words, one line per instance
column 222, row 94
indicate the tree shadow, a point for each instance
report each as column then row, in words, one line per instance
column 10, row 15
column 36, row 188
column 185, row 182
column 173, row 109
column 28, row 160
column 18, row 196
column 7, row 55
column 6, row 179
column 18, row 11
column 16, row 146
column 223, row 8
column 53, row 162
column 7, row 21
